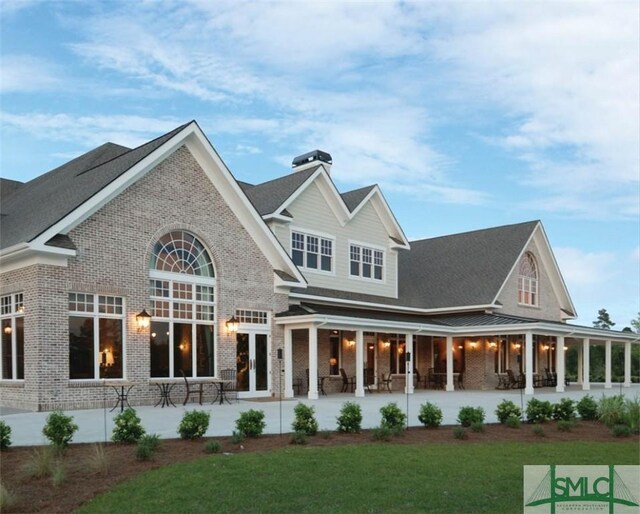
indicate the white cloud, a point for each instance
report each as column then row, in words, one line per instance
column 25, row 73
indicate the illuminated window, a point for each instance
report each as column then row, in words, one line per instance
column 528, row 281
column 12, row 326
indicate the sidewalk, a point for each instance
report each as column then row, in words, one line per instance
column 95, row 425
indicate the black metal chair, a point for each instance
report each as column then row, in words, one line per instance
column 191, row 388
column 348, row 383
column 369, row 378
column 386, row 381
column 433, row 380
column 229, row 387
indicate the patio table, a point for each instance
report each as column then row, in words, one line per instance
column 122, row 390
column 165, row 393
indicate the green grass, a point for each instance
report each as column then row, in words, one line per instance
column 363, row 478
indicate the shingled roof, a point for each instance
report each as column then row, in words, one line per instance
column 459, row 270
column 38, row 204
column 354, row 198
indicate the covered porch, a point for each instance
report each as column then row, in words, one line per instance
column 331, row 350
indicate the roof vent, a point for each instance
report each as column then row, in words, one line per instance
column 305, row 161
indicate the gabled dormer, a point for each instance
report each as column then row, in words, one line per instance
column 339, row 241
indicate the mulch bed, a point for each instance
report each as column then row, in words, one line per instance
column 81, row 483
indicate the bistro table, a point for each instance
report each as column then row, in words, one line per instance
column 122, row 389
column 222, row 392
column 165, row 393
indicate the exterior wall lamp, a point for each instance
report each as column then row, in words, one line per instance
column 473, row 345
column 143, row 319
column 233, row 324
column 493, row 345
column 7, row 330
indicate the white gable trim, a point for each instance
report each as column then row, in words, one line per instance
column 213, row 166
column 550, row 264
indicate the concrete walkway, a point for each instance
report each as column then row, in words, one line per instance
column 95, row 425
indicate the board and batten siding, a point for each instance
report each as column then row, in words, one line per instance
column 311, row 213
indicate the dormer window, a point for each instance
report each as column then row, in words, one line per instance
column 366, row 262
column 528, row 281
column 312, row 251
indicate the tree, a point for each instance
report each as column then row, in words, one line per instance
column 635, row 323
column 603, row 321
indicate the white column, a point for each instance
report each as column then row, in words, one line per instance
column 586, row 379
column 408, row 386
column 449, row 363
column 313, row 363
column 359, row 363
column 627, row 364
column 528, row 363
column 560, row 364
column 607, row 364
column 288, row 363
column 580, row 374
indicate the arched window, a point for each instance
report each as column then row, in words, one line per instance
column 183, row 307
column 528, row 281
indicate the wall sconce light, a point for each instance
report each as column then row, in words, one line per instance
column 21, row 309
column 7, row 330
column 351, row 343
column 493, row 345
column 143, row 319
column 517, row 346
column 333, row 361
column 545, row 347
column 386, row 344
column 473, row 345
column 400, row 349
column 566, row 348
column 182, row 347
column 460, row 347
column 233, row 324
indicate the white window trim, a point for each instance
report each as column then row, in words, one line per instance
column 368, row 280
column 243, row 326
column 96, row 315
column 320, row 235
column 529, row 281
column 13, row 315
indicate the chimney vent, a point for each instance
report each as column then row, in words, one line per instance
column 305, row 161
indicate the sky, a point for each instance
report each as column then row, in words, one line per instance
column 467, row 114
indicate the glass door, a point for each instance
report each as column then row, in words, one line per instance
column 253, row 366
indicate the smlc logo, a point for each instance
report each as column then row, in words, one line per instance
column 558, row 489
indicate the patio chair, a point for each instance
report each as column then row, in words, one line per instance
column 230, row 391
column 369, row 378
column 550, row 379
column 348, row 383
column 191, row 388
column 419, row 379
column 460, row 382
column 514, row 383
column 386, row 381
column 503, row 381
column 432, row 380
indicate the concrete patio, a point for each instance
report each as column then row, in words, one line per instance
column 95, row 425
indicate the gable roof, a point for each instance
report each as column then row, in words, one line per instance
column 43, row 201
column 355, row 197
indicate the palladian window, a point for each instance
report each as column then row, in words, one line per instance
column 528, row 281
column 183, row 307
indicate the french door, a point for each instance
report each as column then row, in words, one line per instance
column 253, row 364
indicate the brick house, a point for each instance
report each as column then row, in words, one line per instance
column 315, row 281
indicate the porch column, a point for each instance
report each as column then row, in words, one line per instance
column 607, row 364
column 313, row 363
column 359, row 363
column 528, row 363
column 586, row 379
column 627, row 364
column 408, row 386
column 288, row 363
column 560, row 364
column 449, row 363
column 580, row 374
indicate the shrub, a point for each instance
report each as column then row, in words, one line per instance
column 305, row 420
column 194, row 424
column 587, row 408
column 632, row 414
column 128, row 428
column 430, row 415
column 99, row 460
column 40, row 464
column 5, row 436
column 513, row 421
column 565, row 425
column 382, row 433
column 237, row 437
column 299, row 437
column 58, row 474
column 538, row 411
column 350, row 418
column 325, row 434
column 7, row 498
column 477, row 426
column 392, row 417
column 538, row 430
column 460, row 433
column 147, row 446
column 212, row 447
column 251, row 423
column 59, row 429
column 621, row 430
column 611, row 410
column 506, row 409
column 564, row 410
column 470, row 415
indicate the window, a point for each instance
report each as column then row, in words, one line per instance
column 501, row 356
column 334, row 354
column 528, row 281
column 397, row 358
column 96, row 348
column 252, row 317
column 12, row 347
column 312, row 252
column 366, row 262
column 183, row 308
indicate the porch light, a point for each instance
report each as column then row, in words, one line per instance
column 143, row 319
column 517, row 346
column 233, row 324
column 473, row 345
column 7, row 330
column 333, row 361
column 545, row 347
column 493, row 345
column 460, row 347
column 566, row 348
column 386, row 344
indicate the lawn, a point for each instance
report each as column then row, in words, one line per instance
column 360, row 478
